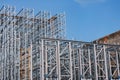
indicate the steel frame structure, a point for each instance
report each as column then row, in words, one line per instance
column 18, row 31
column 33, row 47
column 76, row 60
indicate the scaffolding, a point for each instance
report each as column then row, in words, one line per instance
column 76, row 60
column 33, row 47
column 18, row 31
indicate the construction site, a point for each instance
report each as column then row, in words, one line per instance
column 34, row 47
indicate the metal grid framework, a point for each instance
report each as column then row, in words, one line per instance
column 32, row 47
column 76, row 60
column 17, row 32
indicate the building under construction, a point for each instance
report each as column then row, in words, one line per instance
column 33, row 47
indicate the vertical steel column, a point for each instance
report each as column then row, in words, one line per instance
column 73, row 62
column 31, row 62
column 5, row 57
column 70, row 49
column 4, row 38
column 12, row 53
column 110, row 71
column 96, row 73
column 117, row 64
column 46, row 61
column 25, row 58
column 89, row 56
column 16, row 61
column 15, row 57
column 80, row 56
column 105, row 56
column 42, row 59
column 58, row 61
column 32, row 27
column 19, row 78
column 2, row 60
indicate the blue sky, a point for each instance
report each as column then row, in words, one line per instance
column 86, row 20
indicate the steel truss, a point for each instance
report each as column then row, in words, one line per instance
column 32, row 48
column 76, row 60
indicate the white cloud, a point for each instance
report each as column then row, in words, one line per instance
column 86, row 2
